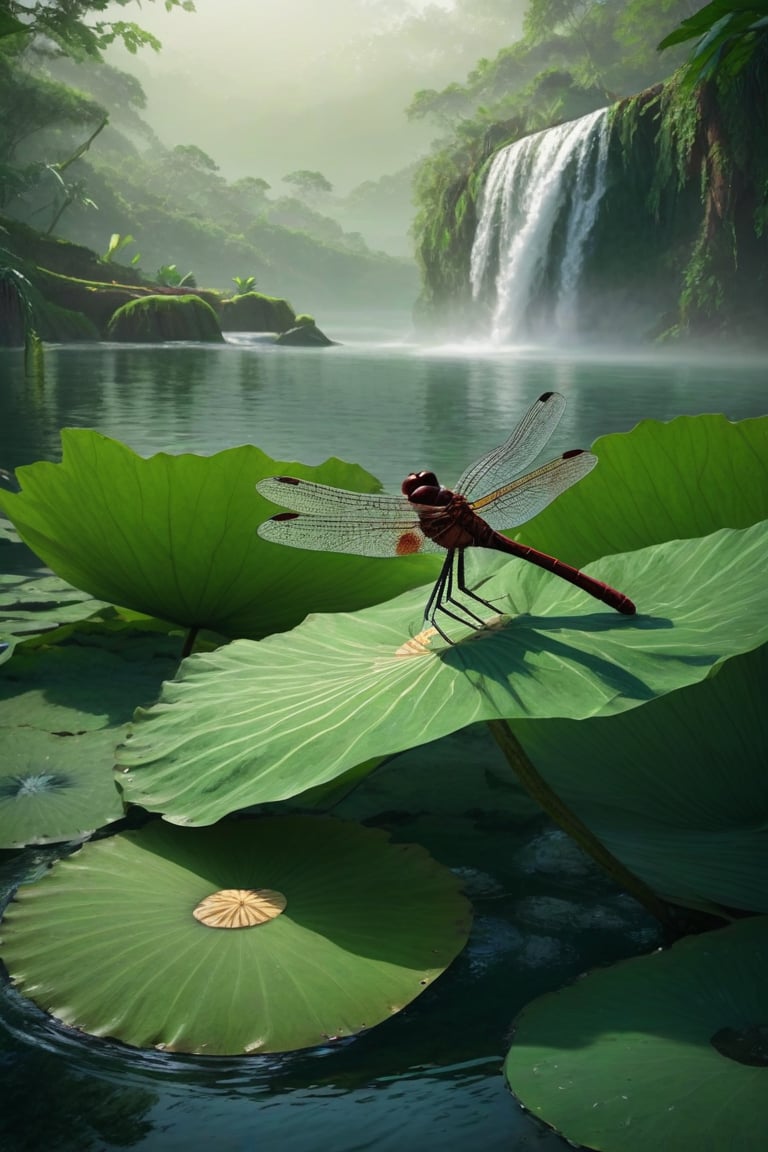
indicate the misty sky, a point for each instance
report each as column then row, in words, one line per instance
column 269, row 86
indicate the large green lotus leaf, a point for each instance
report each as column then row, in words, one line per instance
column 678, row 790
column 108, row 943
column 666, row 1051
column 175, row 536
column 258, row 722
column 55, row 788
column 685, row 478
column 92, row 680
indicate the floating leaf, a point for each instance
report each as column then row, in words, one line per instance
column 8, row 534
column 678, row 789
column 108, row 941
column 257, row 722
column 685, row 478
column 92, row 680
column 63, row 708
column 175, row 536
column 55, row 788
column 663, row 1051
column 29, row 605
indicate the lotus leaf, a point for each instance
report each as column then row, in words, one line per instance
column 257, row 722
column 92, row 680
column 8, row 534
column 55, row 787
column 663, row 1051
column 661, row 481
column 37, row 604
column 678, row 789
column 109, row 943
column 175, row 536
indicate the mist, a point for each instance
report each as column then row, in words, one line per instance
column 270, row 87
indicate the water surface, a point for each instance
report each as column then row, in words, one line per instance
column 393, row 407
column 428, row 1080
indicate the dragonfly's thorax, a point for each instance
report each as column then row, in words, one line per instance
column 447, row 518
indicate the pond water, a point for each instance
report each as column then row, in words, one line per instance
column 390, row 405
column 429, row 1079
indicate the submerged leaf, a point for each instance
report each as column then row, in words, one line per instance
column 109, row 940
column 258, row 722
column 663, row 1051
column 175, row 537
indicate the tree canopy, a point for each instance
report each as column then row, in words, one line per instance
column 69, row 24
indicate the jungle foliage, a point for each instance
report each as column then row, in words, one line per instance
column 692, row 147
column 573, row 58
column 77, row 158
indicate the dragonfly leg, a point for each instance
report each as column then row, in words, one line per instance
column 460, row 580
column 436, row 596
column 442, row 595
column 449, row 598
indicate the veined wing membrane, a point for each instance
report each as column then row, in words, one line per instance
column 522, row 499
column 322, row 500
column 518, row 452
column 358, row 537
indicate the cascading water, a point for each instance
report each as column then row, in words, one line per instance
column 536, row 212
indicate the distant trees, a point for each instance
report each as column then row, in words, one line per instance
column 574, row 55
column 43, row 118
column 308, row 184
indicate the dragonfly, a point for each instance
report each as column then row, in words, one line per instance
column 493, row 493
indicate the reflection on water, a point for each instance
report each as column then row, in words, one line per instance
column 429, row 1079
column 392, row 408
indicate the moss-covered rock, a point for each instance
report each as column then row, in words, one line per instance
column 153, row 319
column 303, row 320
column 74, row 292
column 305, row 336
column 254, row 312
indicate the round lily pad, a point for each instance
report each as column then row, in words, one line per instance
column 109, row 940
column 663, row 1051
column 55, row 787
column 29, row 605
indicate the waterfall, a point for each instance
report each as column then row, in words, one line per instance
column 537, row 209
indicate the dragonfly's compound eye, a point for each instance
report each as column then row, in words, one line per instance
column 418, row 480
column 425, row 488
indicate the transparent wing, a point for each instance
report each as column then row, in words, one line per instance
column 524, row 498
column 322, row 500
column 518, row 452
column 359, row 537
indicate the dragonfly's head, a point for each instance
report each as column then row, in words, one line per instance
column 425, row 488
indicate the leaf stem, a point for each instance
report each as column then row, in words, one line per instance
column 558, row 810
column 189, row 642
